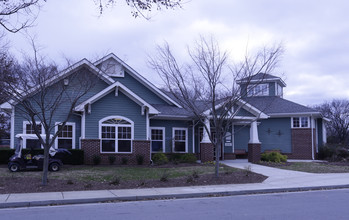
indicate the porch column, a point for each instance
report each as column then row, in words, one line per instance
column 254, row 133
column 206, row 147
column 206, row 137
column 254, row 146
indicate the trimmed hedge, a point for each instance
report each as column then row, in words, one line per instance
column 5, row 154
column 273, row 157
column 76, row 158
column 159, row 158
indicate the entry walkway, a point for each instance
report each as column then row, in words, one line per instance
column 278, row 181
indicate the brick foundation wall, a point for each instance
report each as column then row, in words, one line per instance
column 254, row 153
column 206, row 152
column 91, row 148
column 229, row 156
column 301, row 144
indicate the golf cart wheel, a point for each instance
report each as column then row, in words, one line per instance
column 14, row 167
column 54, row 167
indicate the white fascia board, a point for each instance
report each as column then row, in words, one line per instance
column 246, row 106
column 122, row 88
column 140, row 78
column 295, row 114
column 6, row 106
column 263, row 80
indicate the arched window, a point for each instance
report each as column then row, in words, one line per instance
column 116, row 134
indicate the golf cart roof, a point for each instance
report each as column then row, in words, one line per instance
column 31, row 136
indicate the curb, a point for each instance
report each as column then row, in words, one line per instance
column 165, row 196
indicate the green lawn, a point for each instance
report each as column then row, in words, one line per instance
column 311, row 167
column 108, row 173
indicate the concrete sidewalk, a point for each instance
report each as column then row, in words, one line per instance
column 278, row 181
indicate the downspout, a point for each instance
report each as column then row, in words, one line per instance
column 312, row 136
column 12, row 133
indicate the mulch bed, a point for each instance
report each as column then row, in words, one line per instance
column 30, row 185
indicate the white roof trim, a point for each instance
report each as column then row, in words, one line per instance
column 140, row 78
column 248, row 107
column 122, row 88
column 263, row 80
column 295, row 114
column 69, row 70
column 6, row 105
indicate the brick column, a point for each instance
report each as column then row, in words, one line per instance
column 301, row 143
column 141, row 148
column 206, row 152
column 254, row 153
column 90, row 147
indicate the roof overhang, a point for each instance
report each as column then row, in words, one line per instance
column 263, row 80
column 117, row 86
column 297, row 114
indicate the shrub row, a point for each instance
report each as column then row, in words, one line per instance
column 76, row 158
column 161, row 158
column 334, row 153
column 273, row 157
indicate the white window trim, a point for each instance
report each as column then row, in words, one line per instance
column 300, row 122
column 163, row 138
column 252, row 88
column 25, row 123
column 56, row 129
column 116, row 133
column 173, row 139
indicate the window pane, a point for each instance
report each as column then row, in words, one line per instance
column 180, row 135
column 124, row 132
column 180, row 146
column 65, row 143
column 156, row 146
column 108, row 132
column 304, row 122
column 33, row 144
column 156, row 134
column 108, row 146
column 124, row 146
column 67, row 131
column 29, row 129
column 296, row 122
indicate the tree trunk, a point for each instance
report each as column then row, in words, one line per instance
column 217, row 149
column 45, row 168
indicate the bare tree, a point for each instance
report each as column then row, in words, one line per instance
column 18, row 14
column 207, row 86
column 338, row 112
column 41, row 92
column 141, row 6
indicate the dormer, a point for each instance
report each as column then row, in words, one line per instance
column 261, row 84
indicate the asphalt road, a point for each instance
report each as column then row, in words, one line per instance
column 331, row 204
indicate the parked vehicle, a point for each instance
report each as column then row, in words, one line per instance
column 29, row 161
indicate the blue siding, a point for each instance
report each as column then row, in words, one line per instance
column 169, row 124
column 241, row 137
column 138, row 88
column 244, row 112
column 111, row 105
column 275, row 133
column 61, row 112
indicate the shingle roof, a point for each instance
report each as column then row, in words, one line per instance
column 277, row 105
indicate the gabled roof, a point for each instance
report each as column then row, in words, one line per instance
column 64, row 73
column 276, row 106
column 117, row 86
column 261, row 77
column 140, row 78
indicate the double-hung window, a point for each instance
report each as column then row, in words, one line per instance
column 180, row 140
column 66, row 138
column 116, row 134
column 300, row 122
column 29, row 128
column 157, row 136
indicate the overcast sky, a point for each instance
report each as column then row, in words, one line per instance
column 315, row 35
